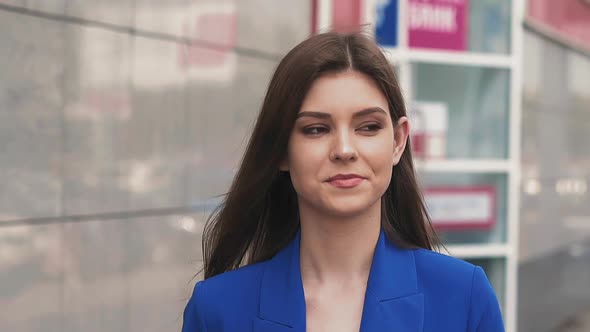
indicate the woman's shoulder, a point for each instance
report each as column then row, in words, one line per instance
column 227, row 291
column 444, row 270
column 443, row 273
column 452, row 279
column 230, row 292
column 233, row 282
column 437, row 260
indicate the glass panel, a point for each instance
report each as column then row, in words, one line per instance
column 555, row 163
column 489, row 26
column 118, row 12
column 460, row 112
column 125, row 127
column 554, row 252
column 176, row 18
column 553, row 290
column 31, row 263
column 97, row 108
column 19, row 3
column 222, row 116
column 156, row 148
column 477, row 202
column 272, row 26
column 129, row 274
column 173, row 261
column 51, row 6
column 495, row 269
column 102, row 275
column 231, row 23
column 31, row 100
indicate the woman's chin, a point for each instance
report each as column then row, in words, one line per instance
column 349, row 208
column 345, row 207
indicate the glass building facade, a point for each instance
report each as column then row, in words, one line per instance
column 120, row 123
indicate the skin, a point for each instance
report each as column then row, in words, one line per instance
column 343, row 127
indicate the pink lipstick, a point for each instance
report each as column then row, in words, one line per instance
column 345, row 180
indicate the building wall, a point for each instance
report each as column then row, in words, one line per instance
column 554, row 271
column 116, row 137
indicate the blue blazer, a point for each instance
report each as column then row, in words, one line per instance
column 408, row 290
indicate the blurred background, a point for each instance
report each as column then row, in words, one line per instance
column 121, row 123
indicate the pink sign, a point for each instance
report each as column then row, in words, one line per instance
column 570, row 19
column 216, row 24
column 462, row 208
column 440, row 24
column 345, row 15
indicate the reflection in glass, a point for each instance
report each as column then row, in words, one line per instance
column 463, row 109
column 489, row 26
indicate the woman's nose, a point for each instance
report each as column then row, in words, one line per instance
column 343, row 148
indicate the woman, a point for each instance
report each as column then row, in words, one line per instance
column 326, row 215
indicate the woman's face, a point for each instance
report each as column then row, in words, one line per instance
column 344, row 145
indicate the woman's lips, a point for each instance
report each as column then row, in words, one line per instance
column 345, row 181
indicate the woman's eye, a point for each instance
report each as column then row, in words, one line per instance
column 372, row 127
column 314, row 131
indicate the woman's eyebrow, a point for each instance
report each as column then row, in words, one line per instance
column 322, row 115
column 319, row 115
column 368, row 111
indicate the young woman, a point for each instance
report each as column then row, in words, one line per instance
column 324, row 227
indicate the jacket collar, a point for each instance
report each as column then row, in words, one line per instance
column 392, row 298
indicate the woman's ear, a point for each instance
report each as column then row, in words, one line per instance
column 401, row 131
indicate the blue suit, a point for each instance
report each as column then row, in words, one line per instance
column 408, row 290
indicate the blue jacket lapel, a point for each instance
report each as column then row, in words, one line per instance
column 282, row 301
column 392, row 300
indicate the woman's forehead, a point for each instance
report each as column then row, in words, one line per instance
column 346, row 92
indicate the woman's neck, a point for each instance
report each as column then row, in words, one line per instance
column 336, row 249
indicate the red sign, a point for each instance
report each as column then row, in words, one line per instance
column 217, row 24
column 464, row 208
column 570, row 19
column 440, row 24
column 345, row 15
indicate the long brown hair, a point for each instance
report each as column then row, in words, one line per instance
column 259, row 214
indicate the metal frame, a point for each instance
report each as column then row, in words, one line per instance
column 464, row 166
column 479, row 250
column 402, row 57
